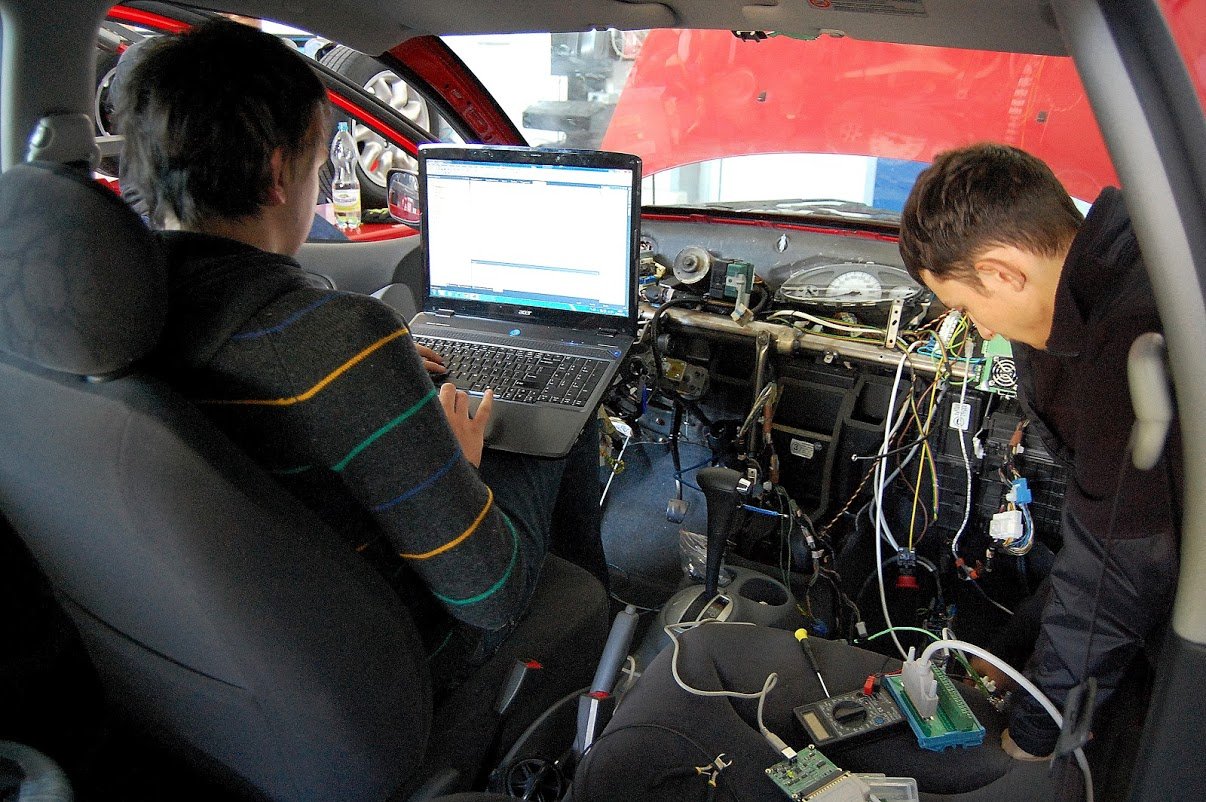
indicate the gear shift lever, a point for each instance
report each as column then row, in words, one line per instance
column 719, row 486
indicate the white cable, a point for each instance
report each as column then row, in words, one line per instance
column 881, row 525
column 966, row 461
column 832, row 324
column 1023, row 683
column 772, row 680
column 879, row 481
column 615, row 468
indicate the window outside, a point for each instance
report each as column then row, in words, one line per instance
column 832, row 125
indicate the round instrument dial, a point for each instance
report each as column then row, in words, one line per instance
column 849, row 284
column 856, row 285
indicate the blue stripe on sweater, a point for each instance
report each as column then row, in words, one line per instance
column 421, row 486
column 485, row 594
column 287, row 322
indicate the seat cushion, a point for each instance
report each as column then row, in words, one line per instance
column 659, row 728
column 564, row 630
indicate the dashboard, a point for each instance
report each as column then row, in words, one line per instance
column 804, row 355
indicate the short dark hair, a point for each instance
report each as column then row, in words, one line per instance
column 978, row 197
column 202, row 113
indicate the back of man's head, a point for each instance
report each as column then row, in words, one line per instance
column 974, row 198
column 202, row 114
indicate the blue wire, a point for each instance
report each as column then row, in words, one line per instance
column 761, row 511
column 679, row 474
column 697, row 466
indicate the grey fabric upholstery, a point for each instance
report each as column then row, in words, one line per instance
column 81, row 284
column 219, row 612
column 660, row 728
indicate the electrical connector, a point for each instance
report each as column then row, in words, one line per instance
column 1019, row 491
column 917, row 677
column 946, row 330
column 1006, row 525
column 906, row 564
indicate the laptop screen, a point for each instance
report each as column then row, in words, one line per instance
column 540, row 234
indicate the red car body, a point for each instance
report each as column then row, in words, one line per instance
column 693, row 96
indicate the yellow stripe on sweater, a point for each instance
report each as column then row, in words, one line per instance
column 452, row 544
column 316, row 389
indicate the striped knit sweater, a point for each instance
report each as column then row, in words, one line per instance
column 324, row 389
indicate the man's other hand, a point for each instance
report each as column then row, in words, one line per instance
column 433, row 362
column 1016, row 752
column 470, row 431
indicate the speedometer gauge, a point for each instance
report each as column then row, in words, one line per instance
column 849, row 284
column 857, row 285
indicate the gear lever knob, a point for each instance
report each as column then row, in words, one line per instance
column 719, row 486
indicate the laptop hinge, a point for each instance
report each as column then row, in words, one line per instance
column 444, row 312
column 609, row 332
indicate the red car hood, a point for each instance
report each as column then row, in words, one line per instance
column 693, row 96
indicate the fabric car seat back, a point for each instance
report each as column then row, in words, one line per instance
column 218, row 611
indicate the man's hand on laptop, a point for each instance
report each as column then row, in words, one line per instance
column 470, row 431
column 431, row 360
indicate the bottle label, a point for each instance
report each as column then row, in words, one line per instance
column 346, row 204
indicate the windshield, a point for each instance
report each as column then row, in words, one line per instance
column 831, row 126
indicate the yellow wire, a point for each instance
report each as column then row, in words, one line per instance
column 927, row 458
column 916, row 494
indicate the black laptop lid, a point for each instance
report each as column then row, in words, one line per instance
column 531, row 235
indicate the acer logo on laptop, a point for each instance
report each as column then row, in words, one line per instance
column 527, row 312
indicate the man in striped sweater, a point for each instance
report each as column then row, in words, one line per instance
column 226, row 131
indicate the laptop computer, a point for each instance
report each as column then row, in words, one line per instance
column 530, row 274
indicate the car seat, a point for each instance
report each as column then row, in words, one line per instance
column 661, row 732
column 220, row 613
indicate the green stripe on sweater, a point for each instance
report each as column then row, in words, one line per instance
column 495, row 587
column 368, row 441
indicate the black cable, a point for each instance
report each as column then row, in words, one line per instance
column 676, row 422
column 877, row 457
column 653, row 335
column 765, row 294
column 504, row 762
column 991, row 601
column 584, row 783
column 922, row 561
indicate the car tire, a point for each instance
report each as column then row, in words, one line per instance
column 102, row 107
column 376, row 155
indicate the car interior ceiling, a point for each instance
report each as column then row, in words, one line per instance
column 791, row 410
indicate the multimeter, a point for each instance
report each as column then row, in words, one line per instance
column 849, row 716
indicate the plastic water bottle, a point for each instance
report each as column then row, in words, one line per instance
column 345, row 186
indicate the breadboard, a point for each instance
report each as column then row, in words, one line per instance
column 954, row 724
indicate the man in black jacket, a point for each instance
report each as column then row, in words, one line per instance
column 992, row 232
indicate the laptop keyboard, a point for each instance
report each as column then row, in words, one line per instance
column 519, row 374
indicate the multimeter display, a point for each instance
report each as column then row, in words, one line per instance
column 848, row 715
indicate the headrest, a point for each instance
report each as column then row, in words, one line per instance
column 82, row 285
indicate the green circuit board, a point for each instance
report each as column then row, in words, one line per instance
column 799, row 776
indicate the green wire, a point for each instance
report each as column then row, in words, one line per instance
column 904, row 629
